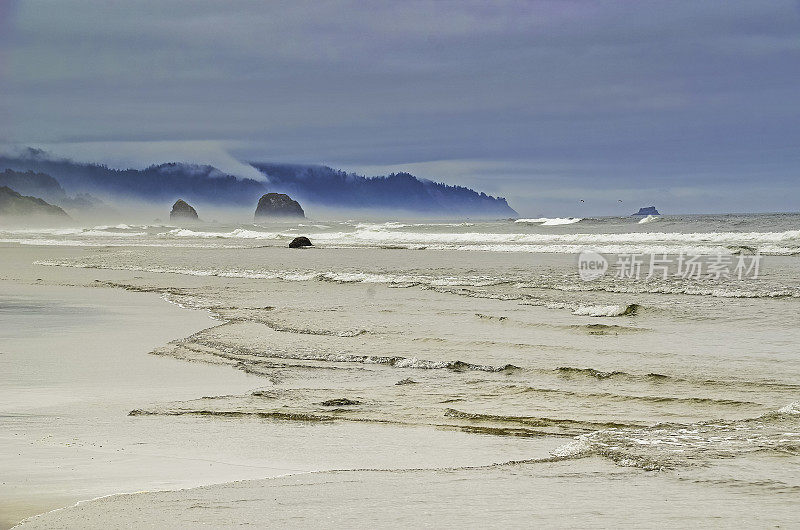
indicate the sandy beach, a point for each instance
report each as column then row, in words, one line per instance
column 75, row 362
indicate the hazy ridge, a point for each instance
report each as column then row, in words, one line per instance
column 313, row 184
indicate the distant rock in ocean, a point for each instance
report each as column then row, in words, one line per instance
column 16, row 205
column 182, row 211
column 647, row 210
column 278, row 205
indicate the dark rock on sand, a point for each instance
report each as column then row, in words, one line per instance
column 647, row 210
column 14, row 204
column 278, row 205
column 181, row 211
column 300, row 242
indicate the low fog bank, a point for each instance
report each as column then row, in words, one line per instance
column 129, row 211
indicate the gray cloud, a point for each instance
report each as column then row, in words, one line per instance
column 665, row 102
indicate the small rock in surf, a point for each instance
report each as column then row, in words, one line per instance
column 300, row 242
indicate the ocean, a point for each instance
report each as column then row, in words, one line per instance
column 674, row 365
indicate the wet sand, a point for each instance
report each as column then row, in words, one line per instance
column 553, row 495
column 75, row 363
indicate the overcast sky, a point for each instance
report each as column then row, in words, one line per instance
column 693, row 106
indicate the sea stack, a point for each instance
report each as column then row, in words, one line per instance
column 278, row 205
column 182, row 211
column 647, row 210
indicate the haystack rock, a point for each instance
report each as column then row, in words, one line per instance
column 181, row 211
column 278, row 205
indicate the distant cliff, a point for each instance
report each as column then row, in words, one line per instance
column 31, row 183
column 16, row 205
column 46, row 187
column 400, row 191
column 316, row 185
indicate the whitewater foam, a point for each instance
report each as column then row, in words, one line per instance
column 606, row 310
column 791, row 408
column 238, row 233
column 654, row 242
column 419, row 236
column 554, row 221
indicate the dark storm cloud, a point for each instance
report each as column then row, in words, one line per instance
column 688, row 104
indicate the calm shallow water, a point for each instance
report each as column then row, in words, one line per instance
column 681, row 384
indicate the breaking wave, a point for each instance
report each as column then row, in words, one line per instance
column 606, row 310
column 593, row 373
column 648, row 219
column 546, row 221
column 99, row 231
column 395, row 361
column 429, row 236
column 769, row 242
column 460, row 285
column 667, row 446
column 238, row 233
column 779, row 243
